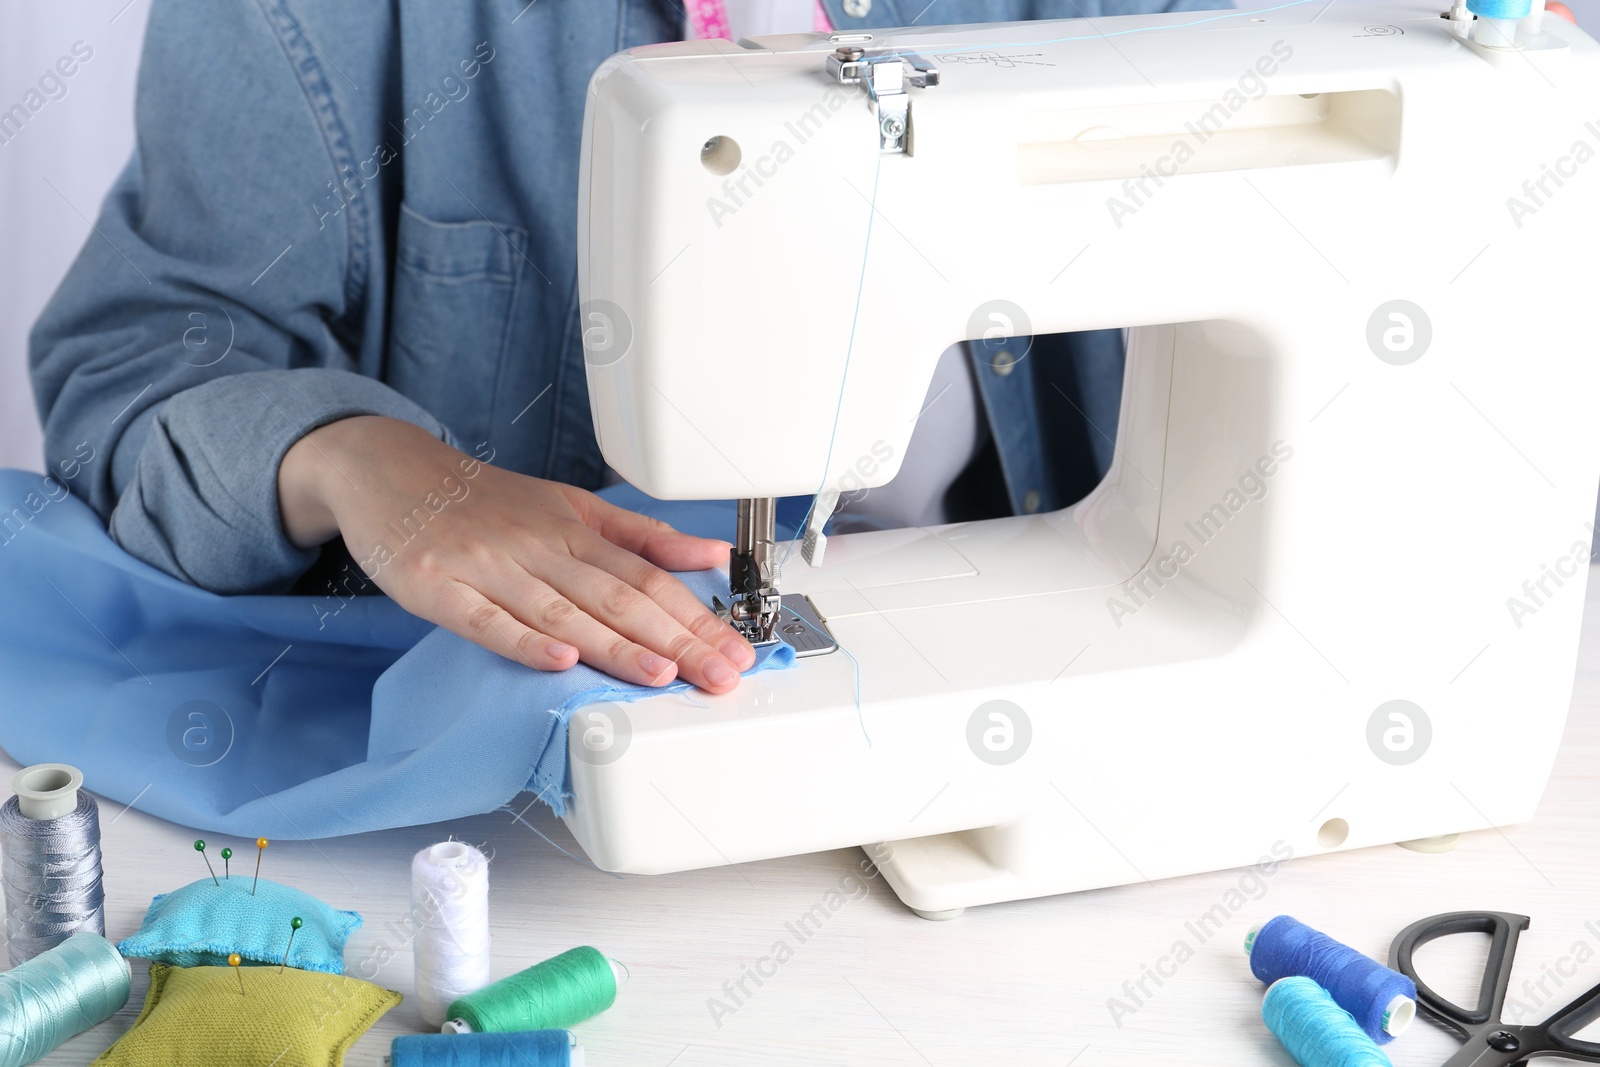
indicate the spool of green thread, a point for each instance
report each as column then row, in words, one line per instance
column 560, row 992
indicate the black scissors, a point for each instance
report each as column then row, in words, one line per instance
column 1490, row 1042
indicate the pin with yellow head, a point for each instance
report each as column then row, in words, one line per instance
column 261, row 846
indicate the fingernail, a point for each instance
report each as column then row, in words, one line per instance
column 653, row 665
column 720, row 672
column 739, row 651
column 557, row 650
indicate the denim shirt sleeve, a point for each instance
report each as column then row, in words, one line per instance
column 208, row 322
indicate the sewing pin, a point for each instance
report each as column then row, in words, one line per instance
column 261, row 846
column 200, row 847
column 234, row 961
column 294, row 925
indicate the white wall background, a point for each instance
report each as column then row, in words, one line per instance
column 78, row 144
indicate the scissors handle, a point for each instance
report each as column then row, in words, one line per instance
column 1490, row 1042
column 1560, row 1027
column 1503, row 928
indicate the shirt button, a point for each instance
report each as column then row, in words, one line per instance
column 1030, row 501
column 1003, row 362
column 858, row 9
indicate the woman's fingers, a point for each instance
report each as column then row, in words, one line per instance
column 465, row 611
column 667, row 591
column 633, row 614
column 498, row 567
column 650, row 538
column 524, row 618
column 544, row 606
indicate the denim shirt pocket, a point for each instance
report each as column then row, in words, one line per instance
column 454, row 299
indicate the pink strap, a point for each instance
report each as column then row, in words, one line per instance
column 709, row 18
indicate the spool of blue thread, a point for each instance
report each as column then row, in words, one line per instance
column 1383, row 1002
column 1500, row 9
column 1315, row 1030
column 530, row 1048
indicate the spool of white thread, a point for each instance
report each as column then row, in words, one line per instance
column 450, row 910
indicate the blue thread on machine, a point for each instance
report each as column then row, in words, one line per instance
column 1382, row 1001
column 838, row 409
column 850, row 346
column 860, row 719
column 59, row 994
column 1500, row 9
column 872, row 201
column 1314, row 1029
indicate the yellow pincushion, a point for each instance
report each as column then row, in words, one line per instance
column 197, row 1017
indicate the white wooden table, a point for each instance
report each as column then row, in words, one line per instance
column 1025, row 983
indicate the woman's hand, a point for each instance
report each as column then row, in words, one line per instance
column 539, row 572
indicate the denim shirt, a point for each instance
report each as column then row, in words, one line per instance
column 370, row 208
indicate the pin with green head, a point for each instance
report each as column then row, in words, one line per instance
column 294, row 926
column 200, row 847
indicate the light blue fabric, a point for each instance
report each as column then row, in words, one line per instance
column 200, row 924
column 269, row 715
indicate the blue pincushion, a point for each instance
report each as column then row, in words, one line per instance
column 202, row 923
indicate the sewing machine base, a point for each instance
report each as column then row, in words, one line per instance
column 786, row 765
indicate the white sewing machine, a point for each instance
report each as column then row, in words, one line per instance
column 1322, row 500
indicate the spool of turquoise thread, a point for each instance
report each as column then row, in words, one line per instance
column 1315, row 1030
column 59, row 994
column 560, row 992
column 1500, row 9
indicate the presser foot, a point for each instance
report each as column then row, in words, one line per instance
column 755, row 617
column 753, row 572
column 796, row 623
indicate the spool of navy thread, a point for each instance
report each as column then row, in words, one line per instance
column 1382, row 1001
column 530, row 1048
